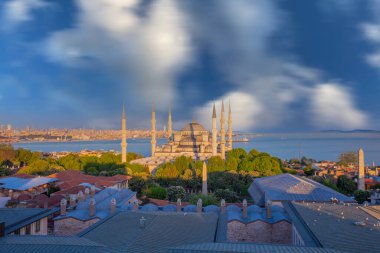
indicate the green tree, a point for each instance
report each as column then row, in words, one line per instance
column 70, row 162
column 361, row 196
column 238, row 153
column 182, row 163
column 232, row 164
column 7, row 153
column 226, row 194
column 254, row 152
column 346, row 185
column 137, row 184
column 347, row 158
column 246, row 164
column 308, row 170
column 156, row 192
column 175, row 192
column 215, row 164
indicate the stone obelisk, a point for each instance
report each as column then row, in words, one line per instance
column 361, row 173
column 204, row 179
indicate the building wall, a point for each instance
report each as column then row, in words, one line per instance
column 70, row 226
column 260, row 231
column 43, row 228
column 296, row 237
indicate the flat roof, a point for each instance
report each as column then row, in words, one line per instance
column 122, row 232
column 22, row 184
column 343, row 227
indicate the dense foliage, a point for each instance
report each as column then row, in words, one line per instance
column 35, row 163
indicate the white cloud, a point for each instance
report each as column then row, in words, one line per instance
column 146, row 51
column 150, row 50
column 333, row 107
column 245, row 110
column 18, row 11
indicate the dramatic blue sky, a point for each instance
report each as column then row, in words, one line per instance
column 285, row 65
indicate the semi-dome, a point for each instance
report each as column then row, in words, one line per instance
column 193, row 126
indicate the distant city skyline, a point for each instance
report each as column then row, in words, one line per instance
column 285, row 66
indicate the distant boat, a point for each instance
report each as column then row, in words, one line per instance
column 241, row 140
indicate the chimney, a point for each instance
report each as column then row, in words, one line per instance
column 222, row 206
column 2, row 229
column 92, row 207
column 73, row 202
column 142, row 222
column 10, row 193
column 113, row 205
column 136, row 205
column 63, row 206
column 179, row 203
column 86, row 193
column 269, row 209
column 92, row 191
column 80, row 196
column 245, row 208
column 199, row 206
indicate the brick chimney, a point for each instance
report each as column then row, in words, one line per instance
column 179, row 204
column 73, row 202
column 113, row 205
column 245, row 209
column 136, row 205
column 92, row 190
column 199, row 206
column 86, row 193
column 92, row 207
column 63, row 206
column 80, row 196
column 269, row 209
column 222, row 206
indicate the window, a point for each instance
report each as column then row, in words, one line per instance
column 17, row 232
column 27, row 229
column 38, row 226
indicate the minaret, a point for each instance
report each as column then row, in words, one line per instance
column 123, row 137
column 361, row 174
column 214, row 133
column 204, row 179
column 229, row 127
column 170, row 124
column 153, row 130
column 222, row 134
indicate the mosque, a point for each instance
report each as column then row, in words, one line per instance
column 193, row 140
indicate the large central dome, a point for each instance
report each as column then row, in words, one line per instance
column 193, row 126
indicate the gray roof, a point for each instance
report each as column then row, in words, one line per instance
column 335, row 226
column 121, row 232
column 246, row 247
column 48, row 244
column 16, row 218
column 102, row 204
column 255, row 213
column 22, row 184
column 287, row 187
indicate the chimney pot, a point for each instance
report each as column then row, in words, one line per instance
column 222, row 206
column 199, row 206
column 245, row 209
column 179, row 204
column 92, row 207
column 269, row 209
column 63, row 206
column 113, row 205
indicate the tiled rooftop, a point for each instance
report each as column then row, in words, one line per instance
column 245, row 248
column 15, row 218
column 122, row 232
column 48, row 244
column 102, row 204
column 287, row 187
column 343, row 227
column 22, row 184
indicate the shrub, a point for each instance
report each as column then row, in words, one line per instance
column 206, row 199
column 361, row 196
column 175, row 192
column 156, row 192
column 226, row 194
